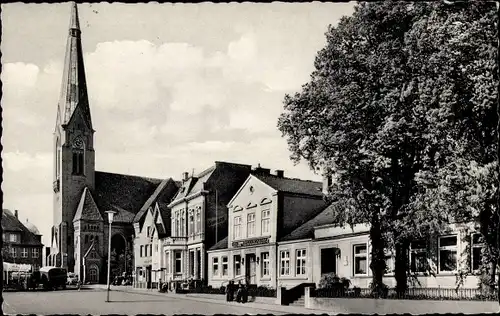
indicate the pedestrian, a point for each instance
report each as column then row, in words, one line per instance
column 239, row 292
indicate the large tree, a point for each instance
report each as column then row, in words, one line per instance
column 462, row 76
column 376, row 115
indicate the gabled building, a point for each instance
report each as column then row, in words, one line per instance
column 199, row 219
column 83, row 195
column 265, row 209
column 22, row 242
column 149, row 263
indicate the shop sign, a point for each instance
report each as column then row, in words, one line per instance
column 250, row 242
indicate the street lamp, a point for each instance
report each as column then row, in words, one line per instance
column 110, row 213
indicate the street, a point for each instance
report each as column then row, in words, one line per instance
column 126, row 303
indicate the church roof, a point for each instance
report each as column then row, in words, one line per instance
column 87, row 208
column 74, row 84
column 127, row 194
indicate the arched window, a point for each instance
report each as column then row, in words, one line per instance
column 78, row 156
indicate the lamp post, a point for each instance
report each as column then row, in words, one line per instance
column 110, row 213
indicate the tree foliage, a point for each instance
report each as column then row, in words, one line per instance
column 398, row 93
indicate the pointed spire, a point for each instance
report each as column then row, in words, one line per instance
column 74, row 85
column 74, row 22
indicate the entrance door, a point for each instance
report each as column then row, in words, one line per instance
column 148, row 277
column 328, row 260
column 250, row 268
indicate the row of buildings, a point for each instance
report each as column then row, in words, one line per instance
column 232, row 222
column 229, row 222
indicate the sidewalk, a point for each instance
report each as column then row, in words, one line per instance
column 217, row 300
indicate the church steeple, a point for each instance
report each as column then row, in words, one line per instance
column 74, row 85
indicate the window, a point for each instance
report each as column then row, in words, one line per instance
column 215, row 266
column 183, row 226
column 300, row 262
column 418, row 256
column 78, row 163
column 149, row 231
column 266, row 220
column 237, row 265
column 178, row 226
column 142, row 250
column 237, row 227
column 191, row 224
column 13, row 252
column 4, row 236
column 178, row 262
column 35, row 252
column 360, row 260
column 265, row 263
column 156, row 248
column 225, row 266
column 251, row 224
column 24, row 253
column 150, row 250
column 477, row 244
column 447, row 255
column 285, row 262
column 13, row 237
column 198, row 221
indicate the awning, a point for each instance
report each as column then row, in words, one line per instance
column 16, row 267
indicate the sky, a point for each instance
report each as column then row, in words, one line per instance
column 172, row 88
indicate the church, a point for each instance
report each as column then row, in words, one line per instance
column 82, row 195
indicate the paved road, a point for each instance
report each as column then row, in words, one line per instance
column 127, row 303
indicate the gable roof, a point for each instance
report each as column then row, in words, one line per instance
column 87, row 209
column 194, row 184
column 306, row 230
column 221, row 244
column 295, row 186
column 152, row 199
column 13, row 224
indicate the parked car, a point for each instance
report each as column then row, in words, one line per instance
column 53, row 277
column 72, row 279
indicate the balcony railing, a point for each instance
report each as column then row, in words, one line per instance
column 55, row 186
column 174, row 241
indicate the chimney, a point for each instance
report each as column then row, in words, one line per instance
column 280, row 173
column 185, row 176
column 16, row 213
column 262, row 171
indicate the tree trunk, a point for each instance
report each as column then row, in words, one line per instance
column 401, row 267
column 377, row 264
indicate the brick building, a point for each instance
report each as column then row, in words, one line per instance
column 22, row 242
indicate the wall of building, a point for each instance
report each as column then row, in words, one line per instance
column 296, row 274
column 345, row 262
column 258, row 278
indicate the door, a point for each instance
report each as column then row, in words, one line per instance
column 251, row 268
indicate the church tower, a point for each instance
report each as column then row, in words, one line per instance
column 74, row 158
